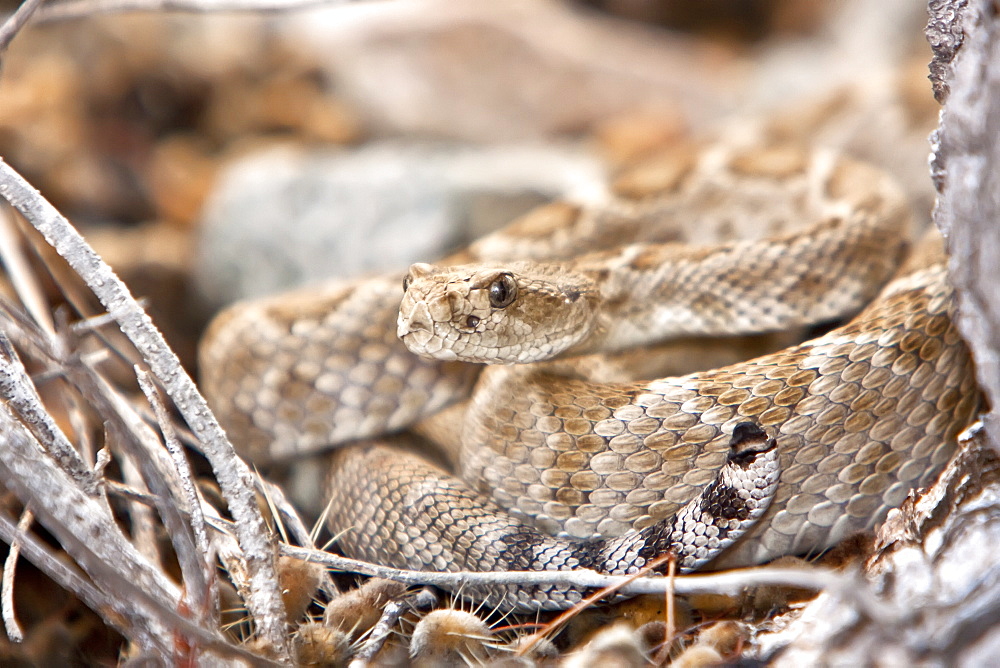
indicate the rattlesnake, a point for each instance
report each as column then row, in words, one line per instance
column 852, row 420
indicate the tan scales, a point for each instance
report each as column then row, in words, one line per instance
column 860, row 416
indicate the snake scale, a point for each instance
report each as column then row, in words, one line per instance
column 787, row 453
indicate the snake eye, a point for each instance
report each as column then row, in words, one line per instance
column 406, row 283
column 503, row 290
column 472, row 322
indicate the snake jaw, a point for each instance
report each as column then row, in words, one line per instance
column 417, row 324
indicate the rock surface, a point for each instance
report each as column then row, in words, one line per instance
column 286, row 216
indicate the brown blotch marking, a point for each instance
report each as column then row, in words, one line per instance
column 802, row 122
column 724, row 502
column 733, row 397
column 616, row 401
column 649, row 257
column 911, row 341
column 661, row 174
column 592, row 263
column 931, row 349
column 707, row 302
column 811, row 285
column 789, row 396
column 856, row 182
column 802, row 377
column 601, row 275
column 937, row 326
column 654, row 255
column 754, row 406
column 726, row 231
column 774, row 161
column 713, row 389
column 570, row 497
column 866, row 401
column 303, row 306
column 543, row 221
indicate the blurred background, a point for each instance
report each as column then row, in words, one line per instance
column 215, row 156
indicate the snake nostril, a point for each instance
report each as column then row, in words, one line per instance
column 411, row 326
column 417, row 321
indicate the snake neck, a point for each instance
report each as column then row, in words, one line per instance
column 650, row 293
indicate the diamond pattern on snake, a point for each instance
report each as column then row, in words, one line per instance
column 519, row 355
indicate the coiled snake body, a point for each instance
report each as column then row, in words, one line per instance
column 785, row 454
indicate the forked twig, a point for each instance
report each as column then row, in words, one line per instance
column 122, row 617
column 15, row 22
column 17, row 389
column 77, row 9
column 233, row 476
column 207, row 605
column 21, row 277
column 553, row 627
column 14, row 631
column 848, row 586
column 391, row 613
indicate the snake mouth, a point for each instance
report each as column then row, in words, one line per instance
column 413, row 335
column 415, row 325
column 417, row 340
column 422, row 343
column 416, row 331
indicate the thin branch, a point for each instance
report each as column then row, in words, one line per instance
column 72, row 580
column 14, row 631
column 83, row 526
column 233, row 476
column 160, row 478
column 16, row 21
column 669, row 603
column 24, row 280
column 129, row 493
column 849, row 586
column 145, row 454
column 17, row 389
column 145, row 457
column 77, row 9
column 224, row 546
column 391, row 613
column 123, row 608
column 142, row 598
column 291, row 520
column 143, row 524
column 207, row 593
column 556, row 624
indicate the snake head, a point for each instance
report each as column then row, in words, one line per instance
column 495, row 313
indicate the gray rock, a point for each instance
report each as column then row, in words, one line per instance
column 288, row 216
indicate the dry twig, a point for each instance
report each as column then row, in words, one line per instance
column 14, row 631
column 233, row 476
column 68, row 10
column 848, row 585
column 207, row 592
column 15, row 22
